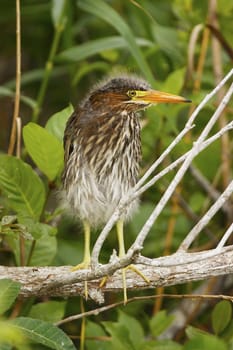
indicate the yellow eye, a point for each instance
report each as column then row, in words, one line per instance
column 131, row 93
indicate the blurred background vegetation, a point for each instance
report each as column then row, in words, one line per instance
column 179, row 46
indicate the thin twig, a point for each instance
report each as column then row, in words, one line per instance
column 206, row 218
column 18, row 80
column 191, row 48
column 18, row 144
column 225, row 237
column 99, row 310
column 201, row 59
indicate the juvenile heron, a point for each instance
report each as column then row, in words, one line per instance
column 103, row 151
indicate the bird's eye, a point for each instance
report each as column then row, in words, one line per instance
column 131, row 93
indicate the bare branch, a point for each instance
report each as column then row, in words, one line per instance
column 225, row 237
column 206, row 218
column 143, row 298
column 59, row 281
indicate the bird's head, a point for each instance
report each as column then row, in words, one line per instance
column 128, row 92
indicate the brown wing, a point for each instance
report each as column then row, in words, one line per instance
column 70, row 134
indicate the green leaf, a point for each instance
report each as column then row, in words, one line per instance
column 50, row 311
column 213, row 166
column 45, row 149
column 11, row 338
column 44, row 333
column 205, row 342
column 104, row 11
column 126, row 334
column 160, row 322
column 136, row 334
column 93, row 329
column 24, row 190
column 45, row 249
column 221, row 316
column 37, row 229
column 193, row 332
column 168, row 41
column 119, row 336
column 162, row 345
column 8, row 292
column 174, row 81
column 92, row 47
column 57, row 122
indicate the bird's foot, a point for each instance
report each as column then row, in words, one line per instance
column 83, row 266
column 123, row 271
column 138, row 272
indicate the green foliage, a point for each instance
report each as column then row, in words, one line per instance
column 45, row 150
column 86, row 50
column 50, row 311
column 104, row 11
column 57, row 122
column 23, row 189
column 127, row 333
column 43, row 333
column 160, row 322
column 201, row 340
column 8, row 293
column 12, row 337
column 221, row 316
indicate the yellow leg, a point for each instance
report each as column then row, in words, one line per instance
column 121, row 243
column 83, row 327
column 85, row 264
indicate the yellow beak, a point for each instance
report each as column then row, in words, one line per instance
column 154, row 96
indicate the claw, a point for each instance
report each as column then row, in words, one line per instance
column 133, row 268
column 82, row 266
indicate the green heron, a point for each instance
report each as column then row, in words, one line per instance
column 102, row 154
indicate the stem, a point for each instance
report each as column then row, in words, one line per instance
column 48, row 66
column 22, row 250
column 31, row 252
column 18, row 80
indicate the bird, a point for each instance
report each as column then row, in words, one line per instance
column 102, row 155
